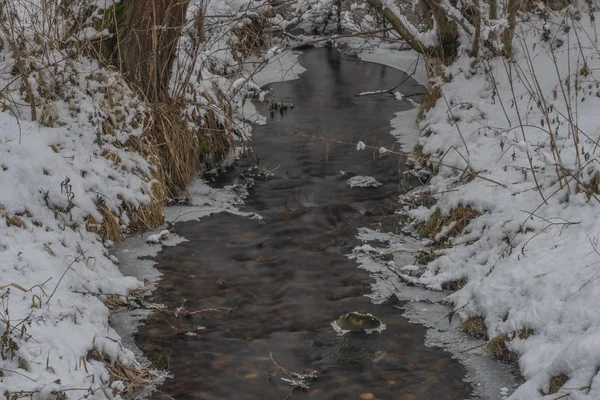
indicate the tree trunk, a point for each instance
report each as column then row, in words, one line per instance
column 493, row 9
column 447, row 29
column 338, row 29
column 477, row 23
column 511, row 9
column 427, row 16
column 148, row 47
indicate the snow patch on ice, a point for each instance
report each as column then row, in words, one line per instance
column 363, row 181
column 405, row 129
column 404, row 60
column 280, row 67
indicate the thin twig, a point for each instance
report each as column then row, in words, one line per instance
column 62, row 276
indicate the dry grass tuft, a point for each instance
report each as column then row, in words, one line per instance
column 556, row 383
column 432, row 94
column 525, row 333
column 15, row 220
column 109, row 228
column 425, row 257
column 592, row 187
column 109, row 155
column 133, row 377
column 149, row 215
column 497, row 346
column 170, row 145
column 460, row 217
column 475, row 326
column 498, row 349
column 215, row 138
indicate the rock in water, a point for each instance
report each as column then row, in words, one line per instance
column 357, row 322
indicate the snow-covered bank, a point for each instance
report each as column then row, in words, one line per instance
column 73, row 180
column 512, row 147
column 56, row 275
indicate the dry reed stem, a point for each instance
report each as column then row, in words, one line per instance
column 460, row 216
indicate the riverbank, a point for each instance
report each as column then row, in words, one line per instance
column 86, row 160
column 253, row 294
column 509, row 152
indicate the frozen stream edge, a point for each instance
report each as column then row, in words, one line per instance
column 489, row 378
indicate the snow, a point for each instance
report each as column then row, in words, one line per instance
column 405, row 129
column 427, row 307
column 280, row 67
column 53, row 180
column 404, row 60
column 157, row 237
column 363, row 181
column 526, row 129
column 531, row 257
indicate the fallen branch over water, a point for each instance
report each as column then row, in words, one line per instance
column 334, row 37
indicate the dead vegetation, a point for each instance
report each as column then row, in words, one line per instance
column 133, row 376
column 251, row 37
column 425, row 257
column 592, row 187
column 432, row 94
column 497, row 348
column 556, row 383
column 475, row 326
column 455, row 223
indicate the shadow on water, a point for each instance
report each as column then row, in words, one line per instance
column 286, row 277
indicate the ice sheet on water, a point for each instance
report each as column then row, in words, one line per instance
column 490, row 378
column 136, row 254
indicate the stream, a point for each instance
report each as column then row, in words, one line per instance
column 261, row 292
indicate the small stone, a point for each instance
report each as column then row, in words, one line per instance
column 222, row 284
column 366, row 396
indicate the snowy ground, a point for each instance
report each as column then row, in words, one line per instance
column 58, row 172
column 527, row 131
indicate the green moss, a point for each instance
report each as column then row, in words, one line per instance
column 388, row 257
column 424, row 257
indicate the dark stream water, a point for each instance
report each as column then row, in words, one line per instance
column 286, row 277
